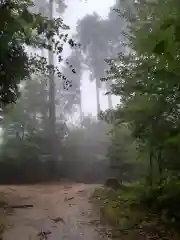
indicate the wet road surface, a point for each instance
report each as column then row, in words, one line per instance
column 60, row 212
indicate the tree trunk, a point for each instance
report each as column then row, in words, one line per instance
column 80, row 108
column 44, row 110
column 110, row 101
column 98, row 98
column 52, row 110
column 108, row 86
column 159, row 160
column 151, row 167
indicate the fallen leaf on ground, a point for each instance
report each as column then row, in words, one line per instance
column 58, row 219
column 81, row 191
column 94, row 222
column 44, row 234
column 67, row 199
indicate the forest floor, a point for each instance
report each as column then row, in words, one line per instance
column 130, row 220
column 60, row 211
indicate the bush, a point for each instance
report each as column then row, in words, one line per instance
column 26, row 161
column 163, row 199
column 127, row 211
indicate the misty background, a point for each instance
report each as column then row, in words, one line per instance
column 76, row 11
column 54, row 129
column 86, row 101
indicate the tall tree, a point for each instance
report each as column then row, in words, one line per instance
column 101, row 39
column 73, row 95
column 150, row 101
column 29, row 114
column 88, row 35
column 52, row 107
column 47, row 10
column 21, row 27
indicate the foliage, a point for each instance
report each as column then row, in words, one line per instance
column 21, row 28
column 150, row 100
column 80, row 151
column 71, row 96
column 84, row 151
column 100, row 39
column 26, row 136
column 122, row 152
column 130, row 220
column 147, row 79
column 23, row 116
column 27, row 160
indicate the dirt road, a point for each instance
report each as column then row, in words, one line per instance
column 60, row 212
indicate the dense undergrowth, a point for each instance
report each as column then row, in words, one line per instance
column 137, row 212
column 146, row 78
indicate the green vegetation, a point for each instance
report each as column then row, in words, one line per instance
column 21, row 28
column 27, row 115
column 147, row 80
column 24, row 155
column 144, row 142
column 131, row 219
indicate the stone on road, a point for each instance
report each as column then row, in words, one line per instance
column 60, row 212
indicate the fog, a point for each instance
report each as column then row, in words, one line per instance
column 54, row 131
column 89, row 119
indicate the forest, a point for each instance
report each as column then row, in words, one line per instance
column 134, row 54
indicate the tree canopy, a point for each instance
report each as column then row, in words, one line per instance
column 147, row 79
column 21, row 28
column 100, row 39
